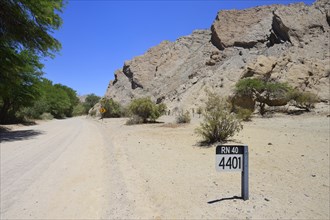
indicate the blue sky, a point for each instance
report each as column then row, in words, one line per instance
column 97, row 36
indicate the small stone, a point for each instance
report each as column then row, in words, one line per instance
column 267, row 200
column 270, row 143
column 313, row 175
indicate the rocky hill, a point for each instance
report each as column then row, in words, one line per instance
column 284, row 43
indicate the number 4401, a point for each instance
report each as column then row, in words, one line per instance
column 231, row 163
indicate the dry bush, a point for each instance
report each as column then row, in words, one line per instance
column 135, row 119
column 244, row 114
column 146, row 109
column 218, row 124
column 303, row 100
column 183, row 118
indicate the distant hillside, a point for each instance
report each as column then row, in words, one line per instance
column 284, row 43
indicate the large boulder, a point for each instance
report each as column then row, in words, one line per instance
column 242, row 28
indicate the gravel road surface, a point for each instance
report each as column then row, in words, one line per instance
column 62, row 169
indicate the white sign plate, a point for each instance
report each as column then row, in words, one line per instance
column 229, row 158
column 229, row 162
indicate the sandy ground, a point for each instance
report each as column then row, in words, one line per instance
column 169, row 176
column 90, row 169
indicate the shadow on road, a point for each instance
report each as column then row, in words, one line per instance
column 224, row 199
column 9, row 136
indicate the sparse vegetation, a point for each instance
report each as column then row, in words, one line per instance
column 146, row 109
column 113, row 108
column 183, row 118
column 79, row 110
column 46, row 116
column 303, row 100
column 199, row 111
column 219, row 124
column 275, row 94
column 244, row 114
column 135, row 119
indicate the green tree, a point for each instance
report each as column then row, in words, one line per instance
column 20, row 87
column 25, row 36
column 54, row 99
column 29, row 24
column 263, row 92
column 90, row 101
column 72, row 94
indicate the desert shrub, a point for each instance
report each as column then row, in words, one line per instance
column 46, row 116
column 218, row 124
column 244, row 114
column 125, row 111
column 113, row 108
column 135, row 119
column 183, row 118
column 79, row 110
column 303, row 100
column 146, row 109
column 199, row 111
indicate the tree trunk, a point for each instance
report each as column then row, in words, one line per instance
column 4, row 111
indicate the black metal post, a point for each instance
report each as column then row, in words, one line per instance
column 245, row 174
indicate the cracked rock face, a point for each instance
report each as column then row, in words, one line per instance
column 267, row 25
column 283, row 43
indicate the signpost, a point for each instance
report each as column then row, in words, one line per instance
column 234, row 158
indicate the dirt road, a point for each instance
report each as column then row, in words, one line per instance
column 89, row 169
column 62, row 169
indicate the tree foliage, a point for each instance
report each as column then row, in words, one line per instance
column 263, row 92
column 25, row 36
column 72, row 95
column 90, row 101
column 58, row 100
column 28, row 24
column 19, row 86
column 275, row 94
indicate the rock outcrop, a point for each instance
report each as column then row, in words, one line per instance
column 283, row 43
